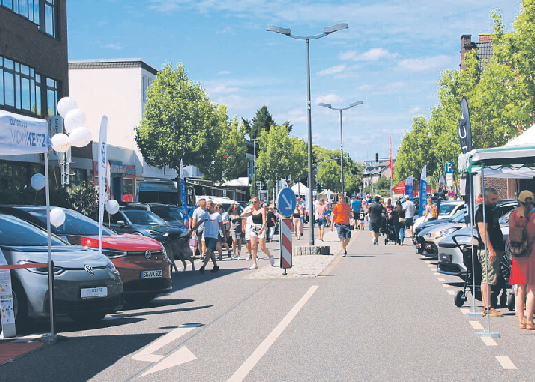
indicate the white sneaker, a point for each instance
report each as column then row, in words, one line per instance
column 272, row 261
column 254, row 266
column 238, row 257
column 250, row 257
column 232, row 257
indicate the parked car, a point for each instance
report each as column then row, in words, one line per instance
column 450, row 257
column 169, row 213
column 447, row 210
column 422, row 230
column 142, row 222
column 142, row 261
column 87, row 285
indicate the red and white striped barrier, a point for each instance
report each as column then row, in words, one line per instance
column 286, row 243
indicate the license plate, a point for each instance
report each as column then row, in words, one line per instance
column 445, row 258
column 94, row 292
column 151, row 274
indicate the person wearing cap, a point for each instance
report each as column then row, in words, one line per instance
column 408, row 206
column 492, row 238
column 523, row 268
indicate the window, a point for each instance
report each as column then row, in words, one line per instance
column 28, row 9
column 33, row 9
column 50, row 17
column 20, row 87
column 52, row 95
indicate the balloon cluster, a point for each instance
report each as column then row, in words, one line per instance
column 74, row 121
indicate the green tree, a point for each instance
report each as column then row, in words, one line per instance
column 262, row 121
column 383, row 183
column 179, row 122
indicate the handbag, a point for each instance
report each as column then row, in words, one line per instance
column 518, row 240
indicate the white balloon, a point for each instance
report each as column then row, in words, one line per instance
column 60, row 142
column 74, row 118
column 38, row 181
column 65, row 105
column 112, row 206
column 57, row 217
column 80, row 137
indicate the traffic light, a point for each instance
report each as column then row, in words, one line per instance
column 225, row 156
column 377, row 157
column 319, row 187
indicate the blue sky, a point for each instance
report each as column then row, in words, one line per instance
column 390, row 58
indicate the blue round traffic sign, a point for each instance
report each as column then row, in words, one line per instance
column 286, row 201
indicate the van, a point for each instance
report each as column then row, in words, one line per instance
column 157, row 191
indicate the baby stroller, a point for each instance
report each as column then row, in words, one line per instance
column 389, row 231
column 498, row 290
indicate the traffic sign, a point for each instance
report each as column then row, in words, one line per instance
column 449, row 167
column 286, row 201
column 451, row 194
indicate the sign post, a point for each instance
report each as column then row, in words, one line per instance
column 286, row 203
column 7, row 315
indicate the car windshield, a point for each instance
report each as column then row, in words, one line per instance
column 14, row 231
column 143, row 217
column 75, row 223
column 446, row 209
column 458, row 216
column 168, row 213
column 505, row 218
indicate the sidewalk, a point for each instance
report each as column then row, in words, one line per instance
column 305, row 265
column 12, row 348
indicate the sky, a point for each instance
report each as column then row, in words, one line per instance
column 391, row 56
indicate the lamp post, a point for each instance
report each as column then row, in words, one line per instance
column 288, row 32
column 341, row 142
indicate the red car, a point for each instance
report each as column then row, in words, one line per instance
column 141, row 261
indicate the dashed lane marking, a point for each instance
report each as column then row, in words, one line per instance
column 428, row 261
column 262, row 349
column 506, row 362
column 436, row 274
column 441, row 279
column 446, row 285
column 465, row 310
column 451, row 292
column 477, row 325
column 489, row 341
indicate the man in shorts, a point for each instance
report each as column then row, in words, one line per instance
column 341, row 216
column 495, row 248
column 408, row 206
column 356, row 204
column 212, row 225
column 376, row 211
column 199, row 231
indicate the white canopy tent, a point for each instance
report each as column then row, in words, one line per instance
column 300, row 188
column 26, row 135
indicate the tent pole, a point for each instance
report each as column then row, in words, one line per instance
column 49, row 337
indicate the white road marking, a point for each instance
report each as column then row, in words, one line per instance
column 146, row 354
column 465, row 310
column 451, row 292
column 436, row 274
column 178, row 357
column 441, row 279
column 262, row 349
column 446, row 285
column 477, row 325
column 489, row 341
column 506, row 362
column 428, row 261
column 431, row 265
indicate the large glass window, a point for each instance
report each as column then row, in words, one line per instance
column 52, row 95
column 31, row 9
column 50, row 17
column 26, row 8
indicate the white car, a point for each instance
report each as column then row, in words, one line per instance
column 447, row 209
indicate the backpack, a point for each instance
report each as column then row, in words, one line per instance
column 518, row 240
column 434, row 212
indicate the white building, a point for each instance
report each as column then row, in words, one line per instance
column 117, row 89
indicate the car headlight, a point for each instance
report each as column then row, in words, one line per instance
column 113, row 253
column 164, row 252
column 41, row 270
column 447, row 231
column 111, row 267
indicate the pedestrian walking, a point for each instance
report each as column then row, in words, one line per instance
column 522, row 235
column 256, row 229
column 212, row 223
column 271, row 223
column 398, row 219
column 321, row 209
column 376, row 211
column 408, row 206
column 490, row 229
column 262, row 237
column 341, row 216
column 236, row 230
column 297, row 222
column 356, row 204
column 300, row 205
column 362, row 215
column 198, row 233
column 223, row 233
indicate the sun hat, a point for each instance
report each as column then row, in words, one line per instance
column 406, row 196
column 525, row 196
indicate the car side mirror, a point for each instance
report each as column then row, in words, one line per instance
column 122, row 223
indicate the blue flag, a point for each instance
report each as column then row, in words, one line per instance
column 409, row 189
column 423, row 192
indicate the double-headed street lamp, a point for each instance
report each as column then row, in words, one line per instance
column 288, row 32
column 341, row 142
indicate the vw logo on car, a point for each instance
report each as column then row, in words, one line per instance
column 148, row 255
column 89, row 269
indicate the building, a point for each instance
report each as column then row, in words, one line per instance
column 118, row 90
column 33, row 73
column 483, row 47
column 374, row 170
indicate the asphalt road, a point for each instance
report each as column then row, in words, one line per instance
column 380, row 314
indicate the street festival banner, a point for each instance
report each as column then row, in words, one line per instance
column 423, row 192
column 22, row 135
column 102, row 171
column 465, row 137
column 409, row 187
column 183, row 193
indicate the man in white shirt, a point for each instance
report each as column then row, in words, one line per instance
column 408, row 206
column 198, row 233
column 212, row 225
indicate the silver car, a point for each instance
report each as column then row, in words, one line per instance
column 87, row 285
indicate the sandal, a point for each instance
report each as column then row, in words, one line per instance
column 522, row 324
column 529, row 326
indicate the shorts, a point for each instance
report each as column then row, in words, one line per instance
column 236, row 235
column 409, row 222
column 200, row 236
column 321, row 222
column 247, row 232
column 211, row 244
column 255, row 231
column 375, row 227
column 493, row 268
column 343, row 231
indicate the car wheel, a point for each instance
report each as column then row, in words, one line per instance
column 20, row 303
column 87, row 318
column 459, row 299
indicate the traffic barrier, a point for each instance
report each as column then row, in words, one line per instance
column 286, row 244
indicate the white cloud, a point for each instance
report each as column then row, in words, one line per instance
column 222, row 89
column 415, row 110
column 330, row 98
column 373, row 54
column 224, row 73
column 425, row 64
column 332, row 70
column 113, row 46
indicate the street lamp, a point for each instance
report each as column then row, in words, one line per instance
column 288, row 32
column 341, row 144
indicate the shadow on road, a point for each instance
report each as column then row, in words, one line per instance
column 183, row 280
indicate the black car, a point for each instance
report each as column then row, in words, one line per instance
column 169, row 213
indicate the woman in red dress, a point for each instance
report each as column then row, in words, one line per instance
column 523, row 268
